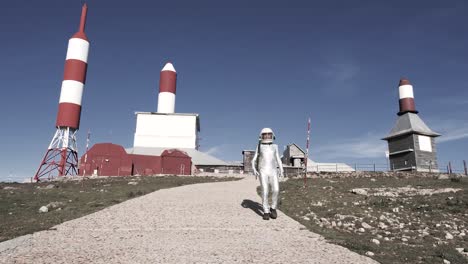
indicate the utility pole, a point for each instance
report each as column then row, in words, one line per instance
column 86, row 153
column 307, row 152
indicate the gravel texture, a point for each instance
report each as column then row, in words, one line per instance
column 201, row 223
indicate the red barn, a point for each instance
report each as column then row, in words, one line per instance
column 107, row 159
column 175, row 162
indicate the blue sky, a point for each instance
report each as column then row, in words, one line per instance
column 242, row 66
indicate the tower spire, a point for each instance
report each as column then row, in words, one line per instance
column 84, row 10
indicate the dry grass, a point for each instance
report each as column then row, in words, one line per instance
column 410, row 229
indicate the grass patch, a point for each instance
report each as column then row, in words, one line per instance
column 409, row 228
column 67, row 200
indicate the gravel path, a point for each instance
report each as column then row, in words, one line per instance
column 201, row 223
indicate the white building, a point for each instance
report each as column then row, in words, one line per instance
column 166, row 130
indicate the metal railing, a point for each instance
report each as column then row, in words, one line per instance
column 376, row 167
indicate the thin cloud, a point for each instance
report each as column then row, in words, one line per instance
column 339, row 77
column 213, row 150
column 369, row 146
column 339, row 72
column 452, row 130
column 454, row 101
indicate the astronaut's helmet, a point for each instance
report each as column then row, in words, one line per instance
column 267, row 136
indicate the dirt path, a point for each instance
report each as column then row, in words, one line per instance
column 202, row 223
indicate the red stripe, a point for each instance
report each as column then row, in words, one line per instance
column 68, row 115
column 167, row 82
column 407, row 105
column 75, row 70
column 80, row 35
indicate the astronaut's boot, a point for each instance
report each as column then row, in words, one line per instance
column 266, row 216
column 273, row 213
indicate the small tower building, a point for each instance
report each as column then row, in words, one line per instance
column 411, row 143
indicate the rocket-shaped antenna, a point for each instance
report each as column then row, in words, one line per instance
column 61, row 158
column 84, row 10
column 406, row 101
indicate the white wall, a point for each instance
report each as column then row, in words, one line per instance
column 165, row 131
column 425, row 143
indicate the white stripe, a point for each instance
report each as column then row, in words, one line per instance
column 166, row 102
column 406, row 91
column 72, row 92
column 78, row 49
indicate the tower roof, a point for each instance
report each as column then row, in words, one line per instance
column 410, row 123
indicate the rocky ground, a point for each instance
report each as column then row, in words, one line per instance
column 29, row 207
column 393, row 219
column 198, row 223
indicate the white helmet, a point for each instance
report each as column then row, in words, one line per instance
column 267, row 136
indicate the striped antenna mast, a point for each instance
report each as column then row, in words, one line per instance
column 307, row 152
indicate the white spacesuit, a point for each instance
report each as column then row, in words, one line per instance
column 265, row 164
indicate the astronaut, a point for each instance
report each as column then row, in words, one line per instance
column 265, row 164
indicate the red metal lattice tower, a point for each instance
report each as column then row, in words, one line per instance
column 61, row 158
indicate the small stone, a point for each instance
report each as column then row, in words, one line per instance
column 359, row 191
column 448, row 236
column 54, row 205
column 132, row 183
column 375, row 241
column 373, row 179
column 370, row 253
column 443, row 177
column 396, row 210
column 446, row 261
column 43, row 209
column 333, row 224
column 386, row 239
column 362, row 230
column 379, row 236
column 366, row 225
column 10, row 213
column 404, row 239
column 50, row 186
column 462, row 234
column 306, row 218
column 382, row 225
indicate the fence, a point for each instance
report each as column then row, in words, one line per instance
column 340, row 167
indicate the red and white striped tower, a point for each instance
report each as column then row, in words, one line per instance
column 406, row 97
column 61, row 158
column 167, row 89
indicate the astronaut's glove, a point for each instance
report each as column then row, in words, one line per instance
column 256, row 174
column 281, row 175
